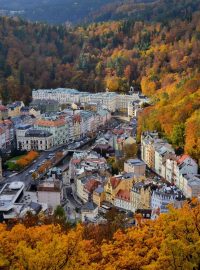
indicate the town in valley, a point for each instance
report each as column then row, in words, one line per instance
column 80, row 152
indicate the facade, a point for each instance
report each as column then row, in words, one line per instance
column 98, row 195
column 107, row 100
column 122, row 200
column 190, row 185
column 136, row 166
column 89, row 211
column 162, row 150
column 33, row 139
column 184, row 165
column 7, row 135
column 57, row 127
column 140, row 196
column 115, row 183
column 50, row 192
column 160, row 199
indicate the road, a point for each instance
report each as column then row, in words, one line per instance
column 72, row 204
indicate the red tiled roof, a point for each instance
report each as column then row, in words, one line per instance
column 91, row 185
column 123, row 195
column 114, row 182
column 50, row 123
column 182, row 158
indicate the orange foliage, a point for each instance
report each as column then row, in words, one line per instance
column 171, row 242
column 27, row 159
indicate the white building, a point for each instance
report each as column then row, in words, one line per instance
column 9, row 197
column 189, row 184
column 33, row 139
column 122, row 200
column 160, row 199
column 162, row 150
column 50, row 192
column 108, row 100
column 184, row 165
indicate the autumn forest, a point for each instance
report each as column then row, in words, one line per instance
column 160, row 59
column 168, row 243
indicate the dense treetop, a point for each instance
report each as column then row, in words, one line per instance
column 169, row 243
column 81, row 11
column 161, row 59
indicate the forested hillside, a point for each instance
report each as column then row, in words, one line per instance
column 146, row 10
column 169, row 243
column 81, row 11
column 161, row 59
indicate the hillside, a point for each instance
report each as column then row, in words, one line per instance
column 54, row 11
column 157, row 10
column 85, row 11
column 162, row 59
column 169, row 243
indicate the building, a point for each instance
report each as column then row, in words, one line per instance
column 115, row 183
column 147, row 148
column 89, row 211
column 123, row 200
column 50, row 192
column 190, row 185
column 105, row 100
column 140, row 196
column 184, row 165
column 7, row 136
column 162, row 151
column 136, row 166
column 34, row 139
column 57, row 127
column 161, row 198
column 45, row 105
column 14, row 109
column 98, row 195
column 10, row 196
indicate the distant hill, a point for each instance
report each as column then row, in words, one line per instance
column 87, row 11
column 149, row 10
column 159, row 57
column 54, row 11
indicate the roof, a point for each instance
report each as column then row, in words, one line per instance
column 182, row 158
column 35, row 206
column 37, row 133
column 135, row 162
column 123, row 195
column 99, row 189
column 114, row 182
column 89, row 206
column 50, row 123
column 91, row 185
